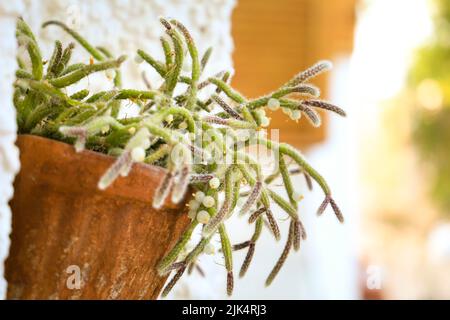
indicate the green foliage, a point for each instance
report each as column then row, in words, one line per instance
column 180, row 131
column 431, row 135
column 432, row 127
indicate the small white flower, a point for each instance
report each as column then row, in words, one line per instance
column 210, row 249
column 203, row 217
column 209, row 202
column 265, row 122
column 214, row 183
column 199, row 196
column 138, row 59
column 138, row 154
column 273, row 104
column 295, row 114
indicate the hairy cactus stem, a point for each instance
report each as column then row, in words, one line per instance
column 287, row 248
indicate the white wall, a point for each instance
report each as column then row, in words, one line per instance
column 9, row 158
column 121, row 25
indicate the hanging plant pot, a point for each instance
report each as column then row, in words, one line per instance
column 71, row 240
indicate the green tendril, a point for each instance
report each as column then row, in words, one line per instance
column 96, row 54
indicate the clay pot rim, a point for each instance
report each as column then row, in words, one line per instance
column 135, row 185
column 87, row 152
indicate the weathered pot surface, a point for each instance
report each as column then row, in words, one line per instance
column 65, row 229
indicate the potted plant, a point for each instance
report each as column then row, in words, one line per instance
column 95, row 206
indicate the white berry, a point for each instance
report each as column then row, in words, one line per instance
column 193, row 207
column 295, row 114
column 199, row 196
column 273, row 104
column 209, row 202
column 203, row 217
column 261, row 112
column 214, row 183
column 265, row 122
column 138, row 154
column 193, row 203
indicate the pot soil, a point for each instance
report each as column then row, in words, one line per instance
column 65, row 229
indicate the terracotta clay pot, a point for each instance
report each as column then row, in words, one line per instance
column 64, row 227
